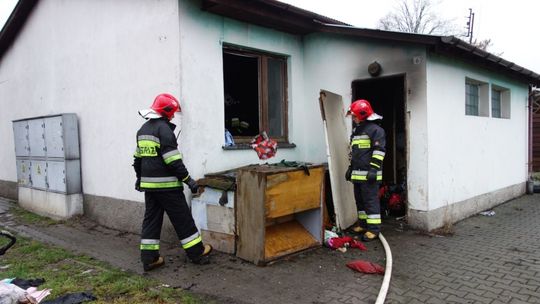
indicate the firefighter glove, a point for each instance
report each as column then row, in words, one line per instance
column 138, row 184
column 348, row 174
column 193, row 186
column 371, row 175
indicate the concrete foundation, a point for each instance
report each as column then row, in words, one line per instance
column 8, row 190
column 54, row 205
column 123, row 215
column 429, row 220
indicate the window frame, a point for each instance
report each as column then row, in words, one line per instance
column 495, row 92
column 473, row 105
column 505, row 101
column 483, row 105
column 263, row 91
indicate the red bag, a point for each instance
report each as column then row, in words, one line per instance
column 365, row 267
column 264, row 146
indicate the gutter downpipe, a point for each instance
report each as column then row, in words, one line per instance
column 530, row 183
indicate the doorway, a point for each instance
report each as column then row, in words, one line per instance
column 387, row 97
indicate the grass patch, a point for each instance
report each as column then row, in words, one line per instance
column 65, row 273
column 32, row 218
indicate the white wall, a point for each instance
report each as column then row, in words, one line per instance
column 334, row 62
column 471, row 155
column 102, row 61
column 202, row 96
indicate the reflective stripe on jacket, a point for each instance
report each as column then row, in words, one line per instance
column 367, row 150
column 157, row 161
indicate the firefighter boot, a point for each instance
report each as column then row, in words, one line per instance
column 204, row 258
column 369, row 236
column 359, row 229
column 157, row 263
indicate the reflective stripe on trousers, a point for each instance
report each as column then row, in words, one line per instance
column 160, row 182
column 362, row 175
column 149, row 244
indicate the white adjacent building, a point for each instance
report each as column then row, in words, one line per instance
column 456, row 117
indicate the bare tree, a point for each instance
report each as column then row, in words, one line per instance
column 484, row 45
column 418, row 17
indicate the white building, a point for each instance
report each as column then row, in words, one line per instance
column 456, row 117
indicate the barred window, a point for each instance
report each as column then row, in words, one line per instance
column 471, row 99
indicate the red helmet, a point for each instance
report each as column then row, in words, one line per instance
column 166, row 105
column 361, row 109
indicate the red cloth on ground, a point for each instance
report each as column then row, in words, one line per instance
column 338, row 242
column 359, row 245
column 365, row 267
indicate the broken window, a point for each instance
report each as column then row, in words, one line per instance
column 255, row 90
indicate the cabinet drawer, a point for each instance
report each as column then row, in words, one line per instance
column 292, row 192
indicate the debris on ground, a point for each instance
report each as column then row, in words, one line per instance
column 487, row 213
column 73, row 298
column 13, row 294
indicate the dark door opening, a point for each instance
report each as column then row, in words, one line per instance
column 387, row 98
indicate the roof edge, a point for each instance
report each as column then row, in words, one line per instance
column 490, row 58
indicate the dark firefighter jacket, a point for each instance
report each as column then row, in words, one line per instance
column 158, row 163
column 367, row 151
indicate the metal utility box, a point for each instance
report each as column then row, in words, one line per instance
column 278, row 211
column 23, row 172
column 64, row 176
column 62, row 137
column 22, row 143
column 48, row 161
column 36, row 137
column 38, row 174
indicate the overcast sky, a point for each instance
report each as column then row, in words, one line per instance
column 6, row 6
column 509, row 24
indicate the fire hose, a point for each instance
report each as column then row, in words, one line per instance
column 387, row 271
column 11, row 238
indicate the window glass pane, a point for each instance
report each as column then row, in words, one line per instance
column 471, row 99
column 496, row 103
column 275, row 96
column 241, row 88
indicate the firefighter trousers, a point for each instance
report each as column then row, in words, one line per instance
column 174, row 204
column 368, row 205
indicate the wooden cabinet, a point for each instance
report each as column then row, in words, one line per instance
column 278, row 211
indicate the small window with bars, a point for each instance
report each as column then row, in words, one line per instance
column 471, row 98
column 496, row 103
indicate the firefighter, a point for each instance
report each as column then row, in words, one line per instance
column 160, row 173
column 365, row 169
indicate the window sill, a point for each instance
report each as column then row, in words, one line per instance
column 248, row 146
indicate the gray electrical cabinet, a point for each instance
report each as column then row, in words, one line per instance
column 47, row 153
